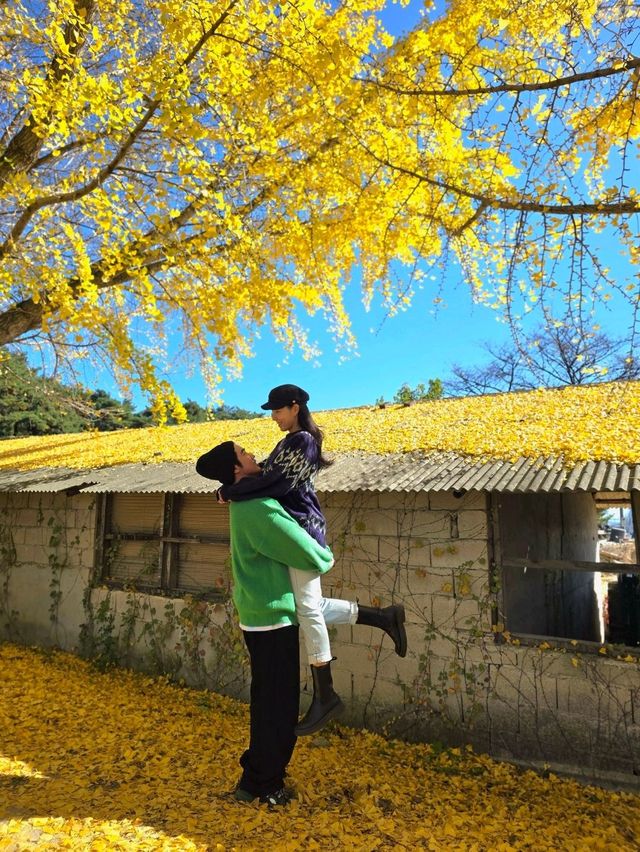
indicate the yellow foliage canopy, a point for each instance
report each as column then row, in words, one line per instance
column 595, row 422
column 200, row 169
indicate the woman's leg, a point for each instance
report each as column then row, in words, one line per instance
column 326, row 703
column 315, row 612
column 307, row 592
column 337, row 611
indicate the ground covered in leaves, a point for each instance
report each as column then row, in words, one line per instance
column 122, row 761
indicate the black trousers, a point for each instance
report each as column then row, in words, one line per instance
column 275, row 696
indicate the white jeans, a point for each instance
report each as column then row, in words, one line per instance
column 315, row 611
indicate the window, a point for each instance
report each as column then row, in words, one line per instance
column 167, row 543
column 619, row 579
column 553, row 582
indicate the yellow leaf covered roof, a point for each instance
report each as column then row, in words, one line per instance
column 596, row 422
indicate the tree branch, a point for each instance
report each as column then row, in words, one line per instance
column 558, row 82
column 625, row 206
column 27, row 315
column 24, row 147
column 107, row 170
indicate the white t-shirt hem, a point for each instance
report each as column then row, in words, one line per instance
column 262, row 629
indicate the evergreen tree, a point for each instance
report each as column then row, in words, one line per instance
column 31, row 404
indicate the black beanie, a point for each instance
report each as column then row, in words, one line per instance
column 219, row 463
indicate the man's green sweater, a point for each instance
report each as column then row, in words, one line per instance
column 265, row 540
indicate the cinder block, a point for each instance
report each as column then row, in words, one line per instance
column 342, row 499
column 472, row 524
column 86, row 538
column 419, row 608
column 85, row 502
column 343, row 683
column 430, row 525
column 83, row 557
column 428, row 581
column 355, row 658
column 468, row 615
column 501, row 655
column 511, row 687
column 447, row 500
column 400, row 669
column 470, row 583
column 386, row 576
column 377, row 522
column 405, row 501
column 452, row 554
column 369, row 581
column 33, row 554
column 356, row 547
column 388, row 692
column 338, row 522
column 417, row 634
column 452, row 614
column 621, row 675
column 443, row 611
column 19, row 534
column 10, row 501
column 405, row 551
column 30, row 518
column 439, row 646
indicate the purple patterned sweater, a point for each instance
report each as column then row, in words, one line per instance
column 288, row 476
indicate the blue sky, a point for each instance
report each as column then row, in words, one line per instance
column 420, row 344
column 412, row 347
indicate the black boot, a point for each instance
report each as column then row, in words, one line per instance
column 390, row 619
column 326, row 704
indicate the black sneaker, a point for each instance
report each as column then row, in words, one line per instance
column 241, row 795
column 277, row 799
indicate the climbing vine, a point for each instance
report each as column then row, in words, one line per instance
column 8, row 561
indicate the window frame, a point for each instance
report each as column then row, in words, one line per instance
column 499, row 561
column 169, row 541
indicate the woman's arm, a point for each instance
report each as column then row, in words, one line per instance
column 294, row 463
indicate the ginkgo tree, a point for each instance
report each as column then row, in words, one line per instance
column 208, row 169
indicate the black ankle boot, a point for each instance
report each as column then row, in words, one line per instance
column 326, row 704
column 390, row 619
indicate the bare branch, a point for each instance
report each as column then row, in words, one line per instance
column 546, row 85
column 622, row 207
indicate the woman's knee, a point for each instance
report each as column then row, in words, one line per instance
column 308, row 610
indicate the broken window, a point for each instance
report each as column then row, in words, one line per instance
column 167, row 543
column 551, row 549
column 619, row 582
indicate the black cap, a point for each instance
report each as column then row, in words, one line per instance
column 285, row 395
column 219, row 463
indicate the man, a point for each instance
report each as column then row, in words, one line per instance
column 265, row 539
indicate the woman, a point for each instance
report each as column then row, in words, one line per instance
column 288, row 475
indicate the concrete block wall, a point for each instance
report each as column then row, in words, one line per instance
column 428, row 552
column 561, row 707
column 46, row 562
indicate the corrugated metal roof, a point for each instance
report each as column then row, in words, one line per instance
column 45, row 479
column 393, row 472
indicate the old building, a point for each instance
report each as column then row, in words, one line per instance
column 522, row 641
